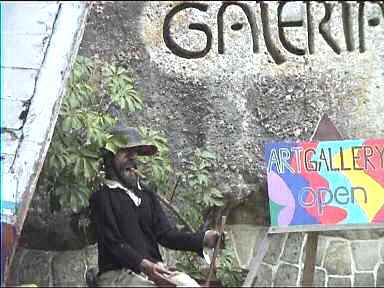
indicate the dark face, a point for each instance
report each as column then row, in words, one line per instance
column 124, row 163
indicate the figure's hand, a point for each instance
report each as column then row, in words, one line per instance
column 211, row 237
column 157, row 273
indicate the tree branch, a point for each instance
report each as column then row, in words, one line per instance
column 176, row 212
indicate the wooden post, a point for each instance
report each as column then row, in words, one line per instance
column 212, row 267
column 310, row 259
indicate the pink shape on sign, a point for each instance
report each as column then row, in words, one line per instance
column 379, row 217
column 281, row 195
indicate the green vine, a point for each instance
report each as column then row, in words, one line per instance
column 199, row 194
column 72, row 168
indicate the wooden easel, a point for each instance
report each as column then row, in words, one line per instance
column 325, row 131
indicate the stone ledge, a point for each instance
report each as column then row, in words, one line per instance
column 339, row 282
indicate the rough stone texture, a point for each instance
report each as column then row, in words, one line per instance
column 356, row 235
column 245, row 238
column 338, row 258
column 382, row 250
column 286, row 275
column 292, row 249
column 264, row 277
column 53, row 268
column 339, row 282
column 252, row 210
column 380, row 276
column 365, row 255
column 236, row 101
column 34, row 268
column 68, row 269
column 364, row 280
column 338, row 263
column 91, row 256
column 321, row 245
column 319, row 278
column 16, row 265
column 274, row 251
column 46, row 231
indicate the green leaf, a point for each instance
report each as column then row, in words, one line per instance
column 67, row 124
column 88, row 170
column 73, row 203
column 79, row 165
column 87, row 152
column 216, row 192
column 112, row 147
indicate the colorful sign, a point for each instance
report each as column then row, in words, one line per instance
column 327, row 182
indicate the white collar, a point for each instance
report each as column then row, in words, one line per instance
column 113, row 184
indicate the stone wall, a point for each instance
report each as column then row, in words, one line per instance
column 61, row 268
column 339, row 261
column 236, row 101
column 52, row 268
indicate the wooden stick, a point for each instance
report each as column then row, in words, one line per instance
column 261, row 249
column 174, row 189
column 216, row 251
column 176, row 211
column 310, row 259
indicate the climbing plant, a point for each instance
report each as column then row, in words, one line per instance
column 199, row 190
column 199, row 194
column 157, row 168
column 72, row 168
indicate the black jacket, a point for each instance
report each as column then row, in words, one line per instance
column 126, row 233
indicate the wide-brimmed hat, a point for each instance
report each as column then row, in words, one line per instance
column 135, row 141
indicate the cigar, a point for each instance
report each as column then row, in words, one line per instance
column 137, row 172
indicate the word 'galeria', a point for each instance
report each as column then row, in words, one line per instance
column 323, row 28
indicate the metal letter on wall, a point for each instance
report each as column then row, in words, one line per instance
column 173, row 46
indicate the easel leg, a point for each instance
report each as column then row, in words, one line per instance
column 261, row 249
column 310, row 259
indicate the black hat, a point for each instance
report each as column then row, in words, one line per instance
column 135, row 141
